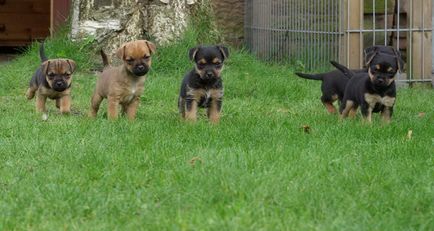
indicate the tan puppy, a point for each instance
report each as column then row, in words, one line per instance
column 124, row 84
column 52, row 80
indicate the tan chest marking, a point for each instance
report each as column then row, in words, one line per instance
column 52, row 94
column 373, row 99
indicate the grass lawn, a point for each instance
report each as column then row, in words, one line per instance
column 256, row 170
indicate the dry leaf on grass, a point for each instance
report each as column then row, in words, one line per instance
column 306, row 129
column 409, row 134
column 194, row 160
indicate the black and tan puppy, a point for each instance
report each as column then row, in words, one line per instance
column 332, row 86
column 124, row 84
column 203, row 86
column 52, row 80
column 375, row 90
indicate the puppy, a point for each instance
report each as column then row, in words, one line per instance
column 52, row 80
column 375, row 90
column 203, row 86
column 332, row 86
column 124, row 84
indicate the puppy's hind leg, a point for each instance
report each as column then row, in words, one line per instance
column 181, row 106
column 95, row 102
column 328, row 103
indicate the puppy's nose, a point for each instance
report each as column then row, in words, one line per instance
column 140, row 67
column 209, row 74
column 59, row 84
column 380, row 81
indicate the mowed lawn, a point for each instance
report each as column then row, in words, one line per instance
column 256, row 170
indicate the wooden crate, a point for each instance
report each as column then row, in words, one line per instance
column 24, row 21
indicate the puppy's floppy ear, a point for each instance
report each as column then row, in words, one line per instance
column 224, row 50
column 72, row 65
column 121, row 51
column 151, row 46
column 399, row 60
column 44, row 66
column 370, row 53
column 192, row 53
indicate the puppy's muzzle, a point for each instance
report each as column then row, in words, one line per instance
column 60, row 85
column 209, row 74
column 140, row 70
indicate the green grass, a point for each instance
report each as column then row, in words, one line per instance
column 256, row 170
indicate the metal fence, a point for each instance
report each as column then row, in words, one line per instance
column 313, row 32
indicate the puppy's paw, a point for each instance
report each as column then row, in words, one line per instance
column 44, row 116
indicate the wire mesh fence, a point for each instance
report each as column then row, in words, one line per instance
column 313, row 32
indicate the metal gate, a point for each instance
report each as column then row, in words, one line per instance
column 313, row 32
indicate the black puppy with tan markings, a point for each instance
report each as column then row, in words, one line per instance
column 333, row 85
column 203, row 86
column 124, row 84
column 375, row 90
column 52, row 80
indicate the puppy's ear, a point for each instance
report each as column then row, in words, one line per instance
column 72, row 65
column 399, row 60
column 370, row 53
column 44, row 67
column 121, row 52
column 192, row 53
column 224, row 50
column 152, row 48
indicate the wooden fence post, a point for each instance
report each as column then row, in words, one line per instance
column 352, row 42
column 420, row 66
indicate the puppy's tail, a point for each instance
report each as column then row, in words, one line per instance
column 42, row 52
column 105, row 61
column 347, row 72
column 309, row 76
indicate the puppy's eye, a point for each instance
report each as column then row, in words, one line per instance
column 129, row 61
column 51, row 75
column 146, row 57
column 200, row 66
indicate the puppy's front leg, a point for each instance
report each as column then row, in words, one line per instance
column 215, row 106
column 367, row 113
column 214, row 110
column 40, row 103
column 65, row 104
column 346, row 107
column 112, row 108
column 131, row 109
column 386, row 114
column 191, row 112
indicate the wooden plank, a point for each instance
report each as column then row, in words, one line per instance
column 60, row 11
column 26, row 20
column 32, row 6
column 24, row 27
column 420, row 65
